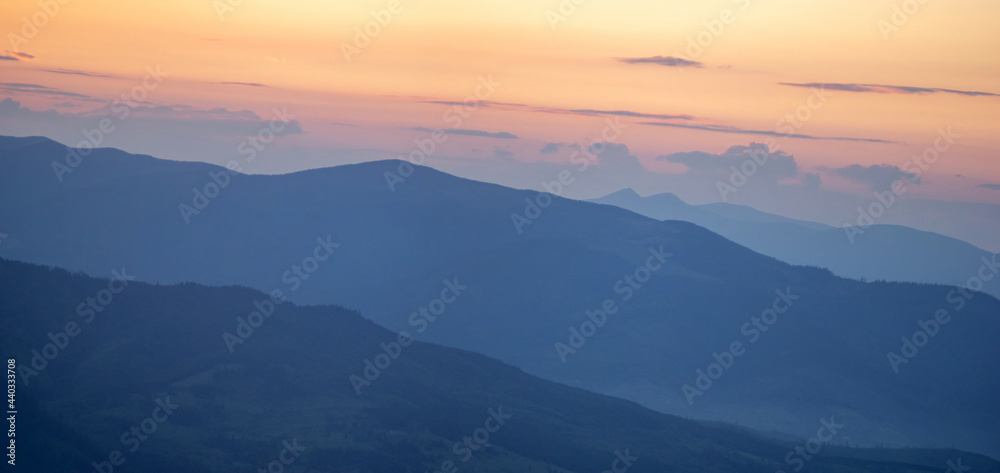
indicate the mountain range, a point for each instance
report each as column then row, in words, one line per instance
column 663, row 313
column 877, row 252
column 147, row 385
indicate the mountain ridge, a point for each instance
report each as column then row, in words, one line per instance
column 880, row 252
column 527, row 291
column 107, row 375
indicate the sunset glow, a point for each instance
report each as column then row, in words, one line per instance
column 350, row 90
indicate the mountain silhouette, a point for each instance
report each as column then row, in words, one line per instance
column 879, row 252
column 155, row 351
column 675, row 297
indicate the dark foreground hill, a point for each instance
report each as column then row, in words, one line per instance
column 666, row 314
column 149, row 384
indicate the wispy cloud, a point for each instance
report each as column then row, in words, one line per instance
column 458, row 131
column 780, row 164
column 668, row 120
column 568, row 111
column 743, row 131
column 812, row 180
column 75, row 72
column 502, row 153
column 186, row 133
column 551, row 148
column 22, row 88
column 995, row 187
column 15, row 56
column 887, row 89
column 623, row 113
column 876, row 176
column 668, row 61
column 248, row 84
column 187, row 113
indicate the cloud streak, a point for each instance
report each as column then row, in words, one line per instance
column 743, row 131
column 75, row 72
column 248, row 84
column 624, row 113
column 457, row 131
column 15, row 56
column 22, row 88
column 887, row 89
column 876, row 176
column 568, row 111
column 995, row 187
column 668, row 120
column 668, row 61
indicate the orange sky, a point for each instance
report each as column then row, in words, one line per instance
column 437, row 49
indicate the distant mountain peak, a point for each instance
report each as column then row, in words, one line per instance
column 627, row 192
column 668, row 196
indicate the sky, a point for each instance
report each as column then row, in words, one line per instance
column 843, row 93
